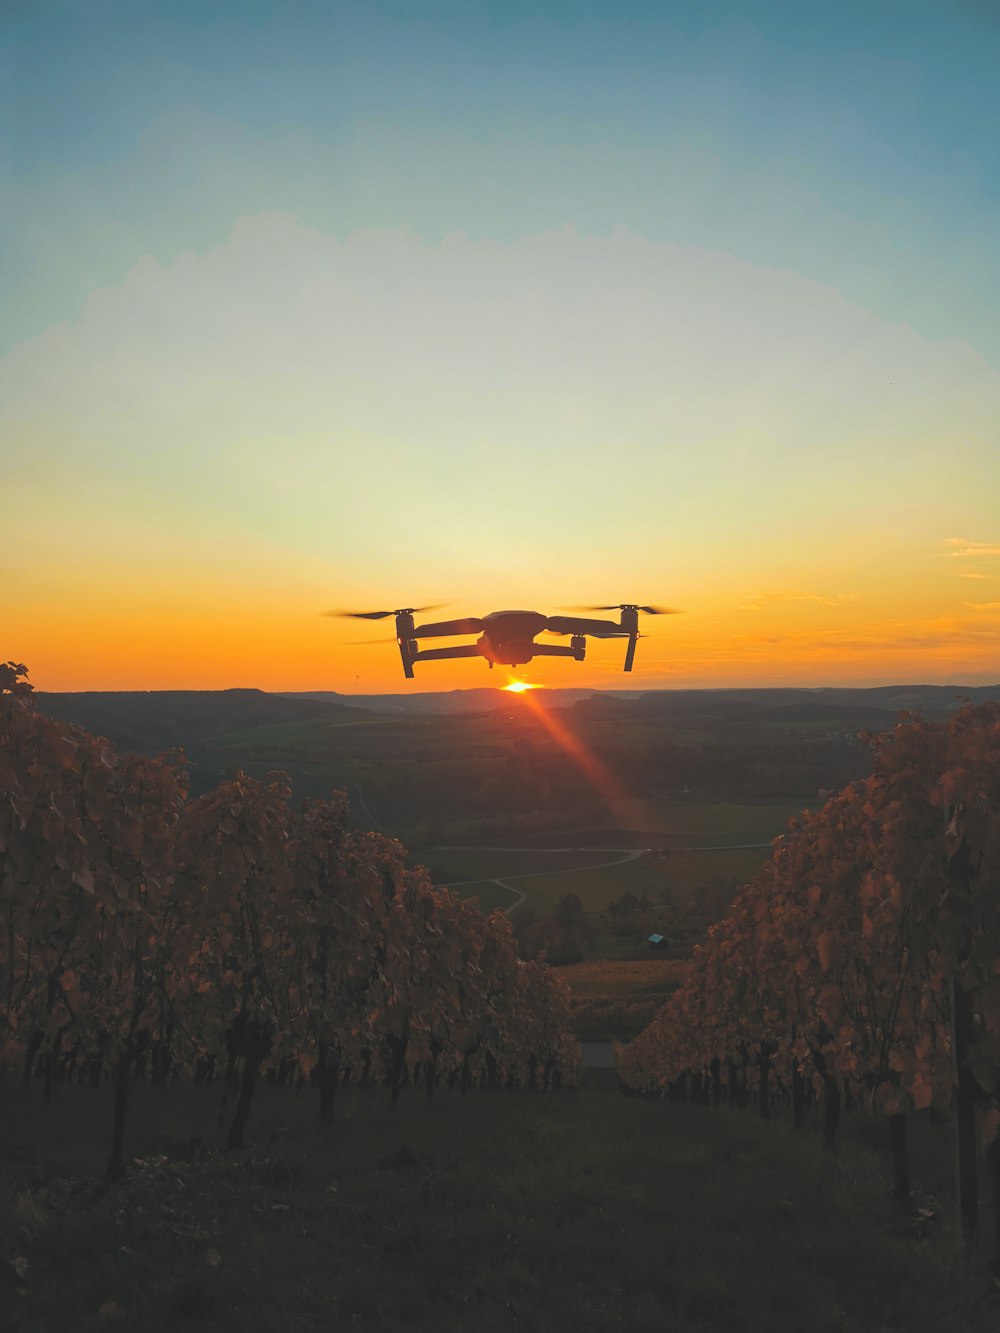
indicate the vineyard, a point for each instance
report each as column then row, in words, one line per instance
column 188, row 962
column 148, row 936
column 861, row 965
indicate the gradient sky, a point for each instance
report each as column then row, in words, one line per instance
column 310, row 305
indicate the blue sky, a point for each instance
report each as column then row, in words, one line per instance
column 850, row 142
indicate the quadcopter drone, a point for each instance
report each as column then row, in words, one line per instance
column 508, row 637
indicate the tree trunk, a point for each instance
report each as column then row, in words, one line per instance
column 900, row 1166
column 798, row 1097
column 764, row 1095
column 966, row 1188
column 993, row 1170
column 329, row 1076
column 123, row 1081
column 161, row 1062
column 258, row 1044
column 31, row 1051
column 492, row 1070
column 397, row 1060
column 831, row 1111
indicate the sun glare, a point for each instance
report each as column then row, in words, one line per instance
column 519, row 686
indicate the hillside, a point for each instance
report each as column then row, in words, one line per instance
column 149, row 721
column 885, row 700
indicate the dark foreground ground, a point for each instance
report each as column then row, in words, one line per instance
column 583, row 1211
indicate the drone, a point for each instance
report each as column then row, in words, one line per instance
column 508, row 637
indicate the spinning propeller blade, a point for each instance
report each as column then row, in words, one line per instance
column 381, row 615
column 629, row 606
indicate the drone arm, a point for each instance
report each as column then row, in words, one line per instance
column 600, row 629
column 441, row 628
column 456, row 650
column 552, row 650
column 630, row 651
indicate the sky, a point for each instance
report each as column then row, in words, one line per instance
column 316, row 305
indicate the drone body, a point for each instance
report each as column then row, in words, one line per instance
column 508, row 637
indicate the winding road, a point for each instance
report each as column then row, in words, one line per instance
column 625, row 854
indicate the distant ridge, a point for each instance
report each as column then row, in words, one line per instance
column 152, row 720
column 805, row 701
column 148, row 721
column 452, row 701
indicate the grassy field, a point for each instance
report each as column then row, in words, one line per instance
column 614, row 999
column 486, row 1213
column 623, row 979
column 586, row 872
column 455, row 864
column 682, row 874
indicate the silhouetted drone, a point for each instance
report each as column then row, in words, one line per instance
column 508, row 637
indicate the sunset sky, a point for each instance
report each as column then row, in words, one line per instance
column 313, row 305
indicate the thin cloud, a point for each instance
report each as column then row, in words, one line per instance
column 965, row 548
column 765, row 598
column 984, row 606
column 887, row 637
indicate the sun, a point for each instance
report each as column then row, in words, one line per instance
column 519, row 686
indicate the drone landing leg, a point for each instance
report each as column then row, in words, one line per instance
column 407, row 658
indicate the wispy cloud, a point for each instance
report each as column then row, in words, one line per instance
column 889, row 636
column 765, row 598
column 973, row 574
column 983, row 606
column 962, row 548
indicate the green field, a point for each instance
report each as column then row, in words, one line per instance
column 585, row 871
column 446, row 777
column 450, row 864
column 597, row 888
column 683, row 874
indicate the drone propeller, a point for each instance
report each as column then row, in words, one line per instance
column 381, row 615
column 615, row 633
column 628, row 606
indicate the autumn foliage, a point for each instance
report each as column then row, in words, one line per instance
column 865, row 957
column 233, row 935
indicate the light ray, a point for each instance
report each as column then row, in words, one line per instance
column 605, row 783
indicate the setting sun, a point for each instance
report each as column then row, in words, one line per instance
column 519, row 686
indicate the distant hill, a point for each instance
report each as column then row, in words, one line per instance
column 148, row 721
column 152, row 720
column 453, row 701
column 873, row 708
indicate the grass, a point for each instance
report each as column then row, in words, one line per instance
column 683, row 873
column 487, row 1212
column 621, row 979
column 472, row 863
column 720, row 821
column 614, row 999
column 588, row 874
